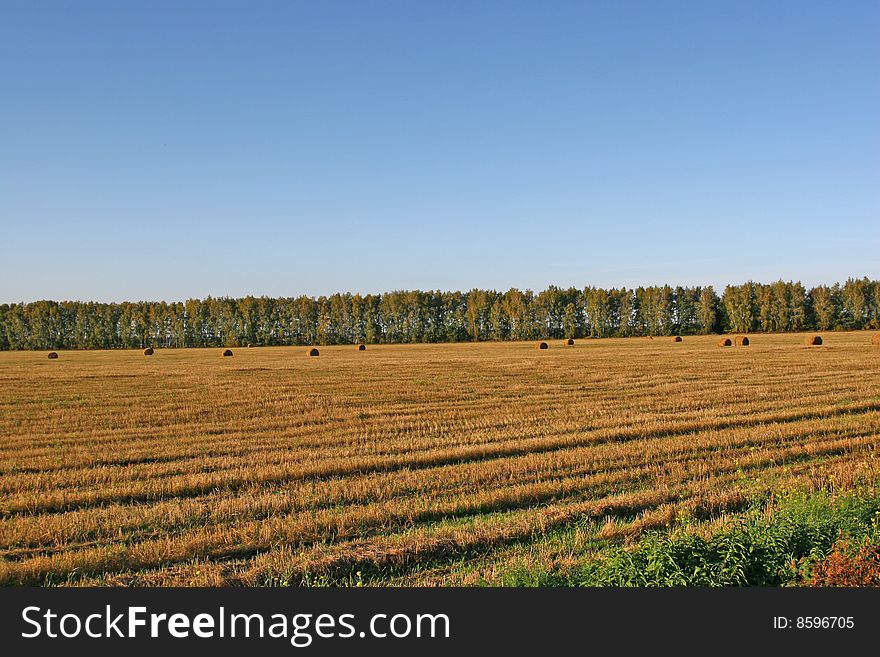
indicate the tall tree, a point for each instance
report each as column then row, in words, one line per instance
column 435, row 316
column 707, row 311
column 739, row 303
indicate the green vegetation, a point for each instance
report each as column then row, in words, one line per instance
column 787, row 541
column 415, row 316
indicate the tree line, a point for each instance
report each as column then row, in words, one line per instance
column 435, row 316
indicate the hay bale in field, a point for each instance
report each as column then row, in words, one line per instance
column 148, row 351
column 314, row 352
column 569, row 342
column 875, row 340
column 362, row 347
column 542, row 345
column 228, row 352
column 812, row 340
column 741, row 341
column 677, row 338
column 52, row 355
column 724, row 342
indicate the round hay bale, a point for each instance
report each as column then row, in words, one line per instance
column 314, row 352
column 542, row 345
column 52, row 355
column 677, row 338
column 812, row 340
column 741, row 341
column 362, row 347
column 569, row 342
column 875, row 340
column 228, row 352
column 148, row 351
column 724, row 342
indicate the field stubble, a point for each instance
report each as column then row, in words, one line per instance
column 407, row 464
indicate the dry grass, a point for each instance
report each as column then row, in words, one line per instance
column 408, row 461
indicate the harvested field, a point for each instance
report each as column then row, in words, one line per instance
column 410, row 464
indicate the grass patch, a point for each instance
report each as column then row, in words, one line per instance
column 772, row 544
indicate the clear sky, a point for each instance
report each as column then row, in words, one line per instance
column 167, row 150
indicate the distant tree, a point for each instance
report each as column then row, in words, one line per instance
column 686, row 320
column 855, row 310
column 665, row 310
column 707, row 311
column 517, row 307
column 4, row 338
column 824, row 303
column 498, row 321
column 598, row 310
column 623, row 300
column 739, row 304
column 764, row 303
column 436, row 316
column 570, row 321
column 797, row 307
column 874, row 307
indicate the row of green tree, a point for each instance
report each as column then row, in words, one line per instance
column 414, row 316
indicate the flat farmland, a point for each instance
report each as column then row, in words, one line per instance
column 407, row 464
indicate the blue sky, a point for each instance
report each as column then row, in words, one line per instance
column 167, row 150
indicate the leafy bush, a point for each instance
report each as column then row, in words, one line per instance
column 849, row 566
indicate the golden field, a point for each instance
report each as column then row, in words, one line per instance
column 407, row 464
